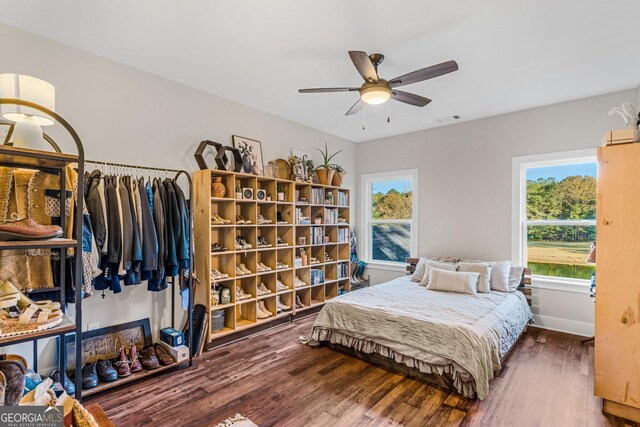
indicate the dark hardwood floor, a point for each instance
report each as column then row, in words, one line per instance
column 274, row 380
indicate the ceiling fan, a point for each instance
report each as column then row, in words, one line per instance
column 376, row 90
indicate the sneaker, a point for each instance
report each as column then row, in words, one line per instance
column 279, row 218
column 262, row 289
column 262, row 308
column 281, row 286
column 327, row 257
column 299, row 303
column 239, row 219
column 279, row 242
column 216, row 275
column 241, row 243
column 264, row 267
column 280, row 305
column 263, row 220
column 217, row 247
column 239, row 271
column 241, row 294
column 216, row 220
column 245, row 269
column 298, row 283
column 281, row 266
column 219, row 218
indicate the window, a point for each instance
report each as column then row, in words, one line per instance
column 390, row 217
column 556, row 214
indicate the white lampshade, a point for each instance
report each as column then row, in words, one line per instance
column 27, row 88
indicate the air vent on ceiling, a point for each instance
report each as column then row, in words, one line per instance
column 448, row 119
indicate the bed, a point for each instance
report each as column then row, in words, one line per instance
column 453, row 340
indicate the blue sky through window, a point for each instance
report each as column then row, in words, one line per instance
column 384, row 186
column 563, row 171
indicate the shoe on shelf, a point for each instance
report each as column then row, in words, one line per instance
column 313, row 261
column 163, row 355
column 216, row 275
column 327, row 257
column 263, row 220
column 299, row 303
column 262, row 242
column 262, row 314
column 242, row 220
column 239, row 271
column 279, row 218
column 106, row 373
column 298, row 283
column 281, row 266
column 217, row 247
column 134, row 360
column 245, row 269
column 241, row 294
column 14, row 373
column 149, row 360
column 281, row 286
column 219, row 219
column 241, row 243
column 89, row 376
column 264, row 267
column 27, row 229
column 262, row 308
column 121, row 364
column 281, row 305
column 279, row 242
column 68, row 385
column 262, row 289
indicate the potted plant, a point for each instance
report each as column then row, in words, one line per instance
column 280, row 193
column 338, row 176
column 238, row 192
column 324, row 171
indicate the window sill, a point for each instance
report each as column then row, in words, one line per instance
column 387, row 266
column 559, row 284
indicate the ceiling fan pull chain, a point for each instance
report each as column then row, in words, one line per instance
column 388, row 111
column 363, row 110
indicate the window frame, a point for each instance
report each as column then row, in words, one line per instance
column 364, row 247
column 519, row 221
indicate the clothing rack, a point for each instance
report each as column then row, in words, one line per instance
column 178, row 173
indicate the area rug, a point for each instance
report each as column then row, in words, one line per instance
column 237, row 421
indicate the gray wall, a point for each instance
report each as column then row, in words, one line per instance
column 465, row 184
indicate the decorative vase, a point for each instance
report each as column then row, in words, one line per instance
column 246, row 163
column 636, row 134
column 281, row 197
column 217, row 187
column 330, row 173
column 322, row 174
column 338, row 177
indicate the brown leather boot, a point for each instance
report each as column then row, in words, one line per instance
column 15, row 375
column 122, row 364
column 149, row 359
column 135, row 365
column 163, row 355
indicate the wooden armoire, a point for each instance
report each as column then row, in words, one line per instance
column 617, row 329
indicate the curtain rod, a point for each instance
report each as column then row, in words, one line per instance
column 122, row 165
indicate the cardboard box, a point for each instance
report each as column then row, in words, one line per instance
column 179, row 353
column 171, row 336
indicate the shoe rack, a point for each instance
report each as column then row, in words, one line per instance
column 242, row 314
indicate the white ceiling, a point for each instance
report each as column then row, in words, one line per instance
column 512, row 54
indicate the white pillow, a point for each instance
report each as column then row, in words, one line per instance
column 434, row 264
column 452, row 281
column 421, row 268
column 515, row 277
column 484, row 284
column 500, row 275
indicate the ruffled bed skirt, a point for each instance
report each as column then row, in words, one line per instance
column 462, row 380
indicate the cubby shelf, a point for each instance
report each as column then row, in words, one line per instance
column 242, row 314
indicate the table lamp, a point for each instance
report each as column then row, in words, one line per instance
column 27, row 132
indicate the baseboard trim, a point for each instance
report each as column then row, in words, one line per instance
column 564, row 325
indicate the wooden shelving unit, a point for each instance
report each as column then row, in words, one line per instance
column 242, row 314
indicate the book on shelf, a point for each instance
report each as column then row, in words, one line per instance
column 317, row 196
column 343, row 270
column 343, row 198
column 330, row 216
column 300, row 218
column 343, row 235
column 317, row 276
column 317, row 235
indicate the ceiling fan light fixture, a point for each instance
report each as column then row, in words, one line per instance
column 375, row 95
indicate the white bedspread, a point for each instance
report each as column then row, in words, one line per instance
column 464, row 335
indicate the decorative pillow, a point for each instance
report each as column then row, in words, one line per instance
column 433, row 264
column 484, row 284
column 452, row 281
column 421, row 267
column 500, row 275
column 515, row 277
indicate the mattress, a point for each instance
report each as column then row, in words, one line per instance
column 465, row 336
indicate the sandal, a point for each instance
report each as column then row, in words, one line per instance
column 9, row 295
column 28, row 322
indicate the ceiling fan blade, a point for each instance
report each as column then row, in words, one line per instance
column 424, row 74
column 409, row 98
column 328, row 89
column 355, row 108
column 363, row 65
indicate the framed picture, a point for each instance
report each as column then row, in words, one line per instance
column 6, row 130
column 251, row 151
